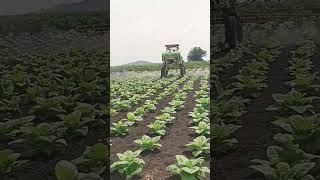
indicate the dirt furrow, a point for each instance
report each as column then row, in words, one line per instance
column 256, row 133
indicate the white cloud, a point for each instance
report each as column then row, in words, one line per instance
column 141, row 28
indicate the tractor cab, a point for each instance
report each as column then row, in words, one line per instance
column 172, row 48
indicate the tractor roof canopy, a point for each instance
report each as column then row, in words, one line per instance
column 171, row 45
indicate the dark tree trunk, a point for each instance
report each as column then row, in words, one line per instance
column 232, row 27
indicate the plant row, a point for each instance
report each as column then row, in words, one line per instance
column 298, row 142
column 121, row 127
column 231, row 101
column 157, row 128
column 133, row 91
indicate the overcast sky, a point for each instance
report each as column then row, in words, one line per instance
column 11, row 7
column 141, row 28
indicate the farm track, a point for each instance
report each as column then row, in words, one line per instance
column 256, row 133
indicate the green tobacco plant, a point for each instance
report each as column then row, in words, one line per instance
column 139, row 112
column 48, row 108
column 251, row 86
column 123, row 105
column 41, row 138
column 165, row 117
column 158, row 127
column 125, row 95
column 169, row 110
column 222, row 138
column 131, row 119
column 103, row 111
column 254, row 69
column 177, row 104
column 113, row 112
column 227, row 110
column 120, row 128
column 161, row 96
column 180, row 96
column 149, row 106
column 288, row 153
column 203, row 102
column 202, row 94
column 128, row 164
column 189, row 169
column 199, row 117
column 87, row 111
column 94, row 159
column 304, row 130
column 11, row 105
column 199, row 145
column 10, row 127
column 202, row 128
column 65, row 170
column 9, row 161
column 293, row 102
column 134, row 100
column 72, row 125
column 148, row 143
column 283, row 170
column 300, row 66
column 306, row 83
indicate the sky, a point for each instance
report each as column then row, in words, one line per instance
column 141, row 28
column 12, row 7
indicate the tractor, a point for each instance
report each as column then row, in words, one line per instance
column 172, row 58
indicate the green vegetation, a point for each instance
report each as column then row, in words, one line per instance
column 189, row 168
column 44, row 22
column 129, row 164
column 156, row 67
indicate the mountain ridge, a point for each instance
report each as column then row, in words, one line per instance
column 137, row 63
column 83, row 6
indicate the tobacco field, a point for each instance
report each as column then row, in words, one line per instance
column 265, row 104
column 160, row 127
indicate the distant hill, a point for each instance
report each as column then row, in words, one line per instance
column 138, row 63
column 83, row 6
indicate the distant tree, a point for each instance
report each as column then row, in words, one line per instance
column 196, row 54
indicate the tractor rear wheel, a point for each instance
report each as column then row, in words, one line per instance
column 182, row 70
column 164, row 71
